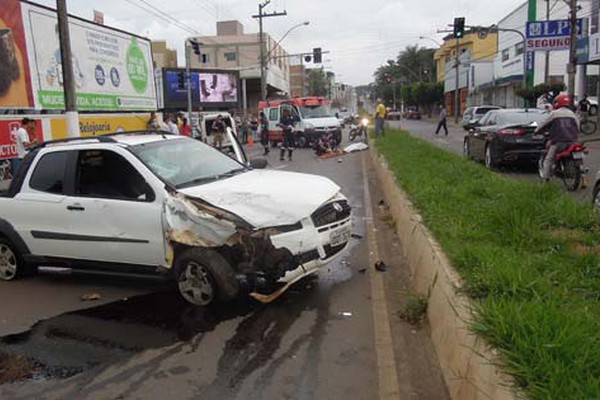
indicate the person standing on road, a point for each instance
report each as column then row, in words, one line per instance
column 286, row 122
column 443, row 121
column 171, row 125
column 264, row 132
column 22, row 141
column 583, row 108
column 380, row 112
column 218, row 132
column 186, row 129
column 152, row 123
column 245, row 129
column 253, row 127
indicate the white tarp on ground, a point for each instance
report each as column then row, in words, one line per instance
column 356, row 147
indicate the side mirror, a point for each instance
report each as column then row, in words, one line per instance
column 258, row 163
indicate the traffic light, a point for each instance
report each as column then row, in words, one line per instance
column 195, row 47
column 459, row 27
column 317, row 55
column 180, row 80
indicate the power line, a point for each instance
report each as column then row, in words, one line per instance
column 173, row 20
column 161, row 16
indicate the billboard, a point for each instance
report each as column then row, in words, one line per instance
column 218, row 87
column 8, row 144
column 210, row 89
column 550, row 35
column 100, row 125
column 175, row 95
column 112, row 69
column 15, row 82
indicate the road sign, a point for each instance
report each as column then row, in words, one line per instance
column 550, row 35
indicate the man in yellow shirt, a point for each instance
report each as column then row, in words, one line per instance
column 380, row 112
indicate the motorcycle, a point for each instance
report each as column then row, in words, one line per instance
column 568, row 164
column 359, row 130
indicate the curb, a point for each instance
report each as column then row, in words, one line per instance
column 468, row 365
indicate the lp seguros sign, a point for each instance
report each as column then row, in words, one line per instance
column 550, row 35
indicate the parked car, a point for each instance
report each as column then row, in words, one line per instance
column 412, row 113
column 155, row 203
column 503, row 136
column 474, row 114
column 394, row 115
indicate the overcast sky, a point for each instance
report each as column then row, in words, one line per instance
column 361, row 35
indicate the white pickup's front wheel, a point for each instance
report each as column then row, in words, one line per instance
column 9, row 261
column 203, row 276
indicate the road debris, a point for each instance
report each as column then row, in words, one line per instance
column 345, row 314
column 380, row 266
column 91, row 297
column 356, row 236
column 362, row 271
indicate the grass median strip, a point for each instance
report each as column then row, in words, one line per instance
column 529, row 256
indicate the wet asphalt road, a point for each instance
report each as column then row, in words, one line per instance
column 454, row 142
column 315, row 342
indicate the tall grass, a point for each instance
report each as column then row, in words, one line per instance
column 529, row 257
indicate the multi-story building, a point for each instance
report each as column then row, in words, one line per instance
column 162, row 56
column 232, row 49
column 475, row 56
column 493, row 66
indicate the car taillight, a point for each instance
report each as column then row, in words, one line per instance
column 512, row 132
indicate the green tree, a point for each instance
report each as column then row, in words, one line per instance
column 317, row 82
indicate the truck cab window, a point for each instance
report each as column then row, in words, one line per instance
column 49, row 173
column 106, row 174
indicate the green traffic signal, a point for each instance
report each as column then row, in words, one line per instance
column 459, row 27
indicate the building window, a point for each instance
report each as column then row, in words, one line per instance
column 505, row 54
column 231, row 56
column 519, row 48
column 204, row 58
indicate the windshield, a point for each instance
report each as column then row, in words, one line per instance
column 186, row 162
column 522, row 118
column 322, row 111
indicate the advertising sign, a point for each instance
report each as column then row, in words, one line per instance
column 100, row 125
column 218, row 87
column 175, row 95
column 8, row 144
column 594, row 47
column 112, row 69
column 210, row 89
column 15, row 81
column 550, row 35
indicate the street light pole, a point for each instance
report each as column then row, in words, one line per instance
column 572, row 51
column 66, row 59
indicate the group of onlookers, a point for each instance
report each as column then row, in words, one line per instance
column 177, row 124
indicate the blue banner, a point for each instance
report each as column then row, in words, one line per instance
column 551, row 29
column 175, row 95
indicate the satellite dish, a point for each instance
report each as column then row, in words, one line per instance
column 307, row 59
column 483, row 34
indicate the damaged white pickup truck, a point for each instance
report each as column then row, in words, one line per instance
column 157, row 203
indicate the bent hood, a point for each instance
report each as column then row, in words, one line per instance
column 267, row 198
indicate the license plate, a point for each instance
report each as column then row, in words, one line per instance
column 578, row 155
column 537, row 137
column 339, row 237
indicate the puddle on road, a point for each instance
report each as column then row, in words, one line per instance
column 75, row 342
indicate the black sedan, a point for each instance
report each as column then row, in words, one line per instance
column 504, row 136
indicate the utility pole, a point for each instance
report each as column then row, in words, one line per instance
column 572, row 51
column 66, row 59
column 188, row 78
column 263, row 59
column 547, row 61
column 457, row 87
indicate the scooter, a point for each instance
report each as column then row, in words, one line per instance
column 359, row 130
column 568, row 164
